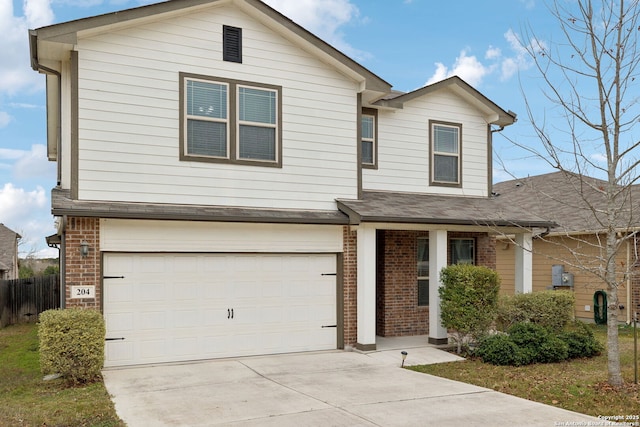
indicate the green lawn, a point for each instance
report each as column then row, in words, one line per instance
column 27, row 400
column 578, row 385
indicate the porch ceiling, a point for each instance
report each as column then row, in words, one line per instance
column 409, row 208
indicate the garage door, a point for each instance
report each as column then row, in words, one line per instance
column 177, row 307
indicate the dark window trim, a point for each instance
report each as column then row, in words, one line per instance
column 418, row 239
column 371, row 112
column 432, row 182
column 231, row 44
column 232, row 122
column 475, row 248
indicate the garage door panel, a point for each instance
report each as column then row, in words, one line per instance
column 178, row 307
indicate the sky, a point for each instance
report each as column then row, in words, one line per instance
column 408, row 43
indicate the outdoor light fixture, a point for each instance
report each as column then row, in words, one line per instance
column 404, row 356
column 84, row 248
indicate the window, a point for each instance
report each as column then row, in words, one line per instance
column 445, row 153
column 368, row 137
column 207, row 118
column 257, row 123
column 462, row 251
column 230, row 121
column 423, row 271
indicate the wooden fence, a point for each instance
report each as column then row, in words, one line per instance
column 22, row 300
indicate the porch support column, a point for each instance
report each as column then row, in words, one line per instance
column 524, row 263
column 437, row 261
column 366, row 288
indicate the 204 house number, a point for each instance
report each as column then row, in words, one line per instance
column 88, row 291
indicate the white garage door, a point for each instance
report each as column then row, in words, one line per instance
column 178, row 307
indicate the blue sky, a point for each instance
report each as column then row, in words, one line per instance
column 409, row 43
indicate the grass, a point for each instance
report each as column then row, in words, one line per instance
column 578, row 385
column 27, row 400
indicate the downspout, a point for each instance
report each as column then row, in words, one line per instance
column 63, row 262
column 36, row 66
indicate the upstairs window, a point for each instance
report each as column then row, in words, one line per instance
column 230, row 121
column 207, row 118
column 231, row 44
column 368, row 138
column 445, row 147
column 257, row 123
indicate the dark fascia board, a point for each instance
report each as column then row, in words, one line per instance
column 356, row 218
column 67, row 32
column 505, row 118
column 62, row 205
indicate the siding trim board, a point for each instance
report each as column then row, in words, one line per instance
column 62, row 204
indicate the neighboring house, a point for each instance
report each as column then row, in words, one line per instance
column 576, row 244
column 229, row 184
column 8, row 253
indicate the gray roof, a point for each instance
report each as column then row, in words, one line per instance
column 435, row 209
column 576, row 203
column 62, row 204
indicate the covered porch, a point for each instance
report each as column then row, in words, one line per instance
column 401, row 242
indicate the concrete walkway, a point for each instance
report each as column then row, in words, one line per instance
column 336, row 388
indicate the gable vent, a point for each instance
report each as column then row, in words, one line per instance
column 232, row 44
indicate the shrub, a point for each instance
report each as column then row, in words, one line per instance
column 468, row 300
column 537, row 344
column 500, row 350
column 551, row 309
column 72, row 344
column 581, row 341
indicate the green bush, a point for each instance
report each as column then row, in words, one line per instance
column 581, row 341
column 72, row 344
column 500, row 350
column 468, row 300
column 551, row 309
column 537, row 343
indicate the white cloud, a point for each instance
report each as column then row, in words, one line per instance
column 34, row 163
column 28, row 163
column 468, row 68
column 493, row 53
column 15, row 71
column 5, row 119
column 323, row 18
column 472, row 70
column 599, row 158
column 17, row 205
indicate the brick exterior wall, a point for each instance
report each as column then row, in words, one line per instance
column 81, row 271
column 397, row 310
column 350, row 286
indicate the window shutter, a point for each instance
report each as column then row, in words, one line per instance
column 232, row 44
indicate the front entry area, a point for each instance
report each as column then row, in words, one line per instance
column 181, row 306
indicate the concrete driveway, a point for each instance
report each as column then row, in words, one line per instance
column 335, row 388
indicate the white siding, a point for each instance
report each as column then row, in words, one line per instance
column 119, row 235
column 129, row 117
column 403, row 147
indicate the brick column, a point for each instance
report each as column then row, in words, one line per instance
column 82, row 271
column 350, row 279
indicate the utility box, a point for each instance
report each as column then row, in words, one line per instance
column 567, row 279
column 556, row 275
column 560, row 278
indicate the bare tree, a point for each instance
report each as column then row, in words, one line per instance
column 590, row 77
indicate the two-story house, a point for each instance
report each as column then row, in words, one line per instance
column 8, row 253
column 229, row 184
